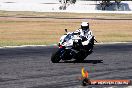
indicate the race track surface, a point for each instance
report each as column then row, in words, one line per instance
column 30, row 67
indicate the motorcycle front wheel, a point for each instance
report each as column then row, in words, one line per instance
column 55, row 58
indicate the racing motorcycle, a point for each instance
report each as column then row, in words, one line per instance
column 70, row 47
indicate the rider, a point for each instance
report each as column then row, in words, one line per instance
column 85, row 34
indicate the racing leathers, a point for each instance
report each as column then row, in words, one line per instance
column 85, row 35
column 87, row 39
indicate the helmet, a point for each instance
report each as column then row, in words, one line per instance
column 85, row 26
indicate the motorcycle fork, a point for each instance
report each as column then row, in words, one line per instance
column 62, row 52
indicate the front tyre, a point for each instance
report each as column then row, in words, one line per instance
column 55, row 58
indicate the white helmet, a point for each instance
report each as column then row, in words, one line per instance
column 85, row 26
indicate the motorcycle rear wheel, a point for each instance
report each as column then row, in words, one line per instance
column 80, row 57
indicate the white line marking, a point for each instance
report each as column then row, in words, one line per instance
column 101, row 43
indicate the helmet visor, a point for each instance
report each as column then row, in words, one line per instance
column 84, row 27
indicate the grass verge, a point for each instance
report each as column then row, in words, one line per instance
column 32, row 28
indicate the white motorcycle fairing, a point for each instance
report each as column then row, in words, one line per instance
column 70, row 46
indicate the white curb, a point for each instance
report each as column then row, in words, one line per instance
column 101, row 43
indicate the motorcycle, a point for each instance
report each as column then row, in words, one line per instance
column 70, row 47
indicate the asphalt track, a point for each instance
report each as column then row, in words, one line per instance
column 30, row 67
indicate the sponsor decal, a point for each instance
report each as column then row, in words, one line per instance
column 86, row 81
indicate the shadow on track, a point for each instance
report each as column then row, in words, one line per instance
column 85, row 61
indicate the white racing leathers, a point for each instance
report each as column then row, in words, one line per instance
column 85, row 34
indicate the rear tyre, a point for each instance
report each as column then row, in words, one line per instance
column 80, row 57
column 55, row 58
